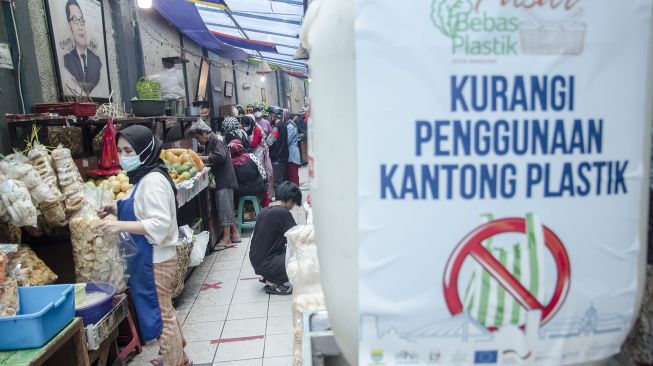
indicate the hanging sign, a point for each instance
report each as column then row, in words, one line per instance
column 501, row 182
column 5, row 57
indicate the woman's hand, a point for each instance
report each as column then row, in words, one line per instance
column 112, row 227
column 109, row 209
column 204, row 158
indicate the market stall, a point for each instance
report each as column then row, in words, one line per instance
column 49, row 204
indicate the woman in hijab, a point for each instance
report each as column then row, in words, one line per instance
column 234, row 131
column 260, row 148
column 149, row 214
column 250, row 173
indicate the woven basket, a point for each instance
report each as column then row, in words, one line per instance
column 183, row 258
column 148, row 89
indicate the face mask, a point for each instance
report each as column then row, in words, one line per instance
column 258, row 114
column 131, row 163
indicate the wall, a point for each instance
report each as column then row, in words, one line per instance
column 295, row 93
column 246, row 74
column 158, row 39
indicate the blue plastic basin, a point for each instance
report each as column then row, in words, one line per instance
column 44, row 312
column 94, row 312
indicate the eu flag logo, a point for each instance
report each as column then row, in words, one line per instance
column 485, row 357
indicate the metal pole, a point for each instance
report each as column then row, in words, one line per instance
column 183, row 65
column 140, row 63
column 233, row 63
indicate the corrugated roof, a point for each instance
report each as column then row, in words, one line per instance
column 274, row 22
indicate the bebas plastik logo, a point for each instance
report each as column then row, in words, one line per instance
column 476, row 32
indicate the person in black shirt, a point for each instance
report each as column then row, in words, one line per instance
column 268, row 247
column 217, row 156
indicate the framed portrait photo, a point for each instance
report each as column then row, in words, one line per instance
column 228, row 89
column 79, row 48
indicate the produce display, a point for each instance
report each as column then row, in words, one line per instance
column 96, row 255
column 182, row 164
column 116, row 185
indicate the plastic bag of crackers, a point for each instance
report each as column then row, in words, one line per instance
column 70, row 181
column 96, row 254
column 9, row 303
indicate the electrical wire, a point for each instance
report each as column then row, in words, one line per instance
column 20, row 58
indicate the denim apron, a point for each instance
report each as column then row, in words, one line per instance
column 141, row 279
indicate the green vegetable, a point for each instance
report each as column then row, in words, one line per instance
column 192, row 172
column 176, row 167
column 185, row 167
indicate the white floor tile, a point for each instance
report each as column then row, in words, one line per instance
column 244, row 328
column 201, row 352
column 202, row 314
column 248, row 310
column 232, row 351
column 245, row 296
column 223, row 275
column 198, row 332
column 182, row 313
column 280, row 325
column 233, row 254
column 215, row 297
column 249, row 285
column 222, row 265
column 280, row 308
column 279, row 361
column 251, row 362
column 279, row 345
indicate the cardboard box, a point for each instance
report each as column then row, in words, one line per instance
column 86, row 164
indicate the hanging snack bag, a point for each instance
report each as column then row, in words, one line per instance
column 9, row 303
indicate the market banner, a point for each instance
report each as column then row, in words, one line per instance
column 503, row 176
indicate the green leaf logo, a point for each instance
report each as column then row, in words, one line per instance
column 445, row 15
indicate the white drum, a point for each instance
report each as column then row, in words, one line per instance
column 454, row 226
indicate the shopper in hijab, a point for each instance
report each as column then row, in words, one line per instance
column 278, row 143
column 216, row 156
column 294, row 159
column 268, row 250
column 260, row 149
column 149, row 214
column 234, row 131
column 250, row 173
column 264, row 123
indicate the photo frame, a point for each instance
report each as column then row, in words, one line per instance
column 202, row 80
column 263, row 97
column 79, row 48
column 228, row 89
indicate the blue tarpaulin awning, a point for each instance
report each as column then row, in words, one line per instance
column 246, row 43
column 272, row 22
column 184, row 16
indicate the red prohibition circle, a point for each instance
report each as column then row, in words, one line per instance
column 472, row 246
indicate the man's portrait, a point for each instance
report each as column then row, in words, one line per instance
column 79, row 43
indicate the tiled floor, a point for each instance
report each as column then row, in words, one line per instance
column 228, row 320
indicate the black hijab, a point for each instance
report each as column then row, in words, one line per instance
column 248, row 125
column 149, row 148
